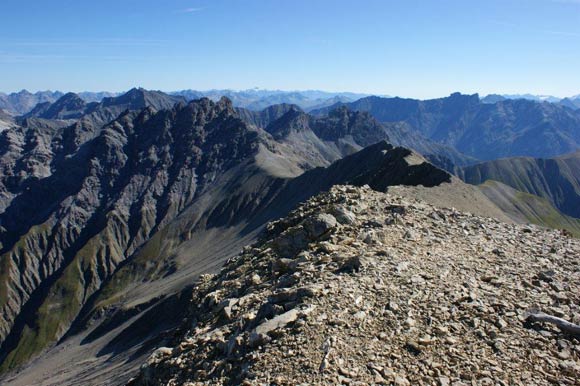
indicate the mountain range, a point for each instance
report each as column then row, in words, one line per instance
column 111, row 210
column 20, row 103
column 91, row 213
column 572, row 102
column 480, row 130
column 23, row 102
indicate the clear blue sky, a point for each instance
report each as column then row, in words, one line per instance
column 410, row 48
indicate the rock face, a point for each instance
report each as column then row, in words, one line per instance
column 390, row 291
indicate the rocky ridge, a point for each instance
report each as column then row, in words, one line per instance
column 361, row 287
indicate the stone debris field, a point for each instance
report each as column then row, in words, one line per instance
column 358, row 287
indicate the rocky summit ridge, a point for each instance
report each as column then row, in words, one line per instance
column 361, row 287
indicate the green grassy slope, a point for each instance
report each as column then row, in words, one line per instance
column 525, row 207
column 555, row 179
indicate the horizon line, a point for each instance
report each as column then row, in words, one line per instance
column 509, row 95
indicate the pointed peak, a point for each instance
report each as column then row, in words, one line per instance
column 225, row 102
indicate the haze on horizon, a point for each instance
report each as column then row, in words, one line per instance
column 413, row 48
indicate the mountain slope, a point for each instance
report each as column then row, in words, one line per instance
column 65, row 232
column 6, row 120
column 69, row 106
column 556, row 179
column 359, row 287
column 525, row 207
column 483, row 130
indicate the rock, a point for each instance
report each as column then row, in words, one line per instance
column 398, row 209
column 444, row 381
column 546, row 276
column 501, row 324
column 291, row 242
column 343, row 216
column 260, row 335
column 319, row 225
column 283, row 265
column 360, row 315
column 401, row 381
column 351, row 264
column 255, row 279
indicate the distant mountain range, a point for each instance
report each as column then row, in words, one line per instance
column 20, row 103
column 257, row 99
column 485, row 131
column 572, row 102
column 24, row 102
column 452, row 131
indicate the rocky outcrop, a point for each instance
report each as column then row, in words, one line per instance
column 386, row 290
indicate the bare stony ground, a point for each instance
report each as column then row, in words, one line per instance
column 359, row 287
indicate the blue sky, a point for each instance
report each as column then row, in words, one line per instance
column 409, row 48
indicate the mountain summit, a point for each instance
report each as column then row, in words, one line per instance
column 361, row 287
